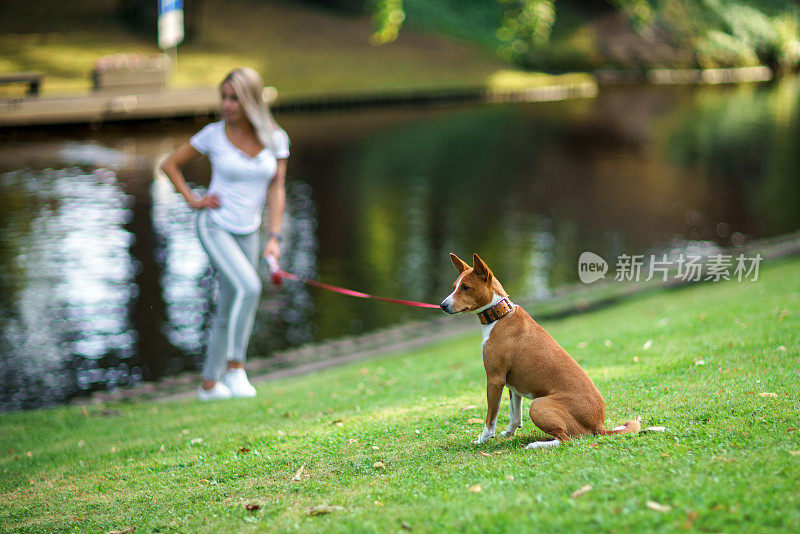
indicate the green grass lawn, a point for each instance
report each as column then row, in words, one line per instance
column 721, row 374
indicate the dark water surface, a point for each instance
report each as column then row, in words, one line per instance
column 103, row 282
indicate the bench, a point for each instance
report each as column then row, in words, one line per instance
column 33, row 79
column 129, row 73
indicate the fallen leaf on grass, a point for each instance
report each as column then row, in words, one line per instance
column 470, row 407
column 323, row 509
column 766, row 394
column 690, row 519
column 338, row 422
column 722, row 459
column 700, row 362
column 647, row 344
column 654, row 429
column 474, row 421
column 794, row 453
column 405, row 526
column 352, row 441
column 244, row 450
column 378, row 465
column 123, row 531
column 298, row 476
column 583, row 491
column 251, row 507
column 378, row 503
column 510, row 478
column 196, row 441
column 485, row 454
column 476, row 488
column 791, row 429
column 658, row 507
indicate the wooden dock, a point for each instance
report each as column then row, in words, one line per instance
column 98, row 108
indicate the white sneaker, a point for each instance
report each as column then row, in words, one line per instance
column 219, row 391
column 236, row 380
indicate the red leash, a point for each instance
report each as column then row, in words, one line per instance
column 351, row 293
column 279, row 274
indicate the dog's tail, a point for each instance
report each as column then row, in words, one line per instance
column 634, row 425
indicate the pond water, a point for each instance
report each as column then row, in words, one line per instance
column 103, row 282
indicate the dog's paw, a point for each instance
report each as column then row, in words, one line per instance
column 510, row 431
column 485, row 436
column 543, row 444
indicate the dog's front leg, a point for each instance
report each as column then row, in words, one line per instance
column 494, row 391
column 514, row 414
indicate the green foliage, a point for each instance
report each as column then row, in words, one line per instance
column 388, row 17
column 720, row 33
column 745, row 32
column 525, row 24
column 640, row 12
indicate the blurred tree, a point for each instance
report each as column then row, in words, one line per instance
column 640, row 12
column 711, row 33
column 525, row 23
column 388, row 17
column 141, row 17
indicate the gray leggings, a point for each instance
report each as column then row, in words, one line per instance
column 235, row 258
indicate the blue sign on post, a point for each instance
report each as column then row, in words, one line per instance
column 170, row 23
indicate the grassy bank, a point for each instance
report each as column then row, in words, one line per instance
column 298, row 48
column 389, row 441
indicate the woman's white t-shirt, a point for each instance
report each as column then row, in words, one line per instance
column 240, row 181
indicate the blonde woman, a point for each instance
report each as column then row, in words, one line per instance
column 248, row 153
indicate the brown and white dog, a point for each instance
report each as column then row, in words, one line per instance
column 520, row 355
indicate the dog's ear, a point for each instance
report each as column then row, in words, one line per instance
column 481, row 270
column 459, row 263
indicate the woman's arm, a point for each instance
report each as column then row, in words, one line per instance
column 172, row 168
column 276, row 204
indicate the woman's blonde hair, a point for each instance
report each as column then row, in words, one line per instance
column 249, row 88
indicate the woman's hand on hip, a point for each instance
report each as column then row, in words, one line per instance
column 272, row 249
column 210, row 201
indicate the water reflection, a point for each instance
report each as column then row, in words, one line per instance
column 66, row 286
column 185, row 277
column 103, row 282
